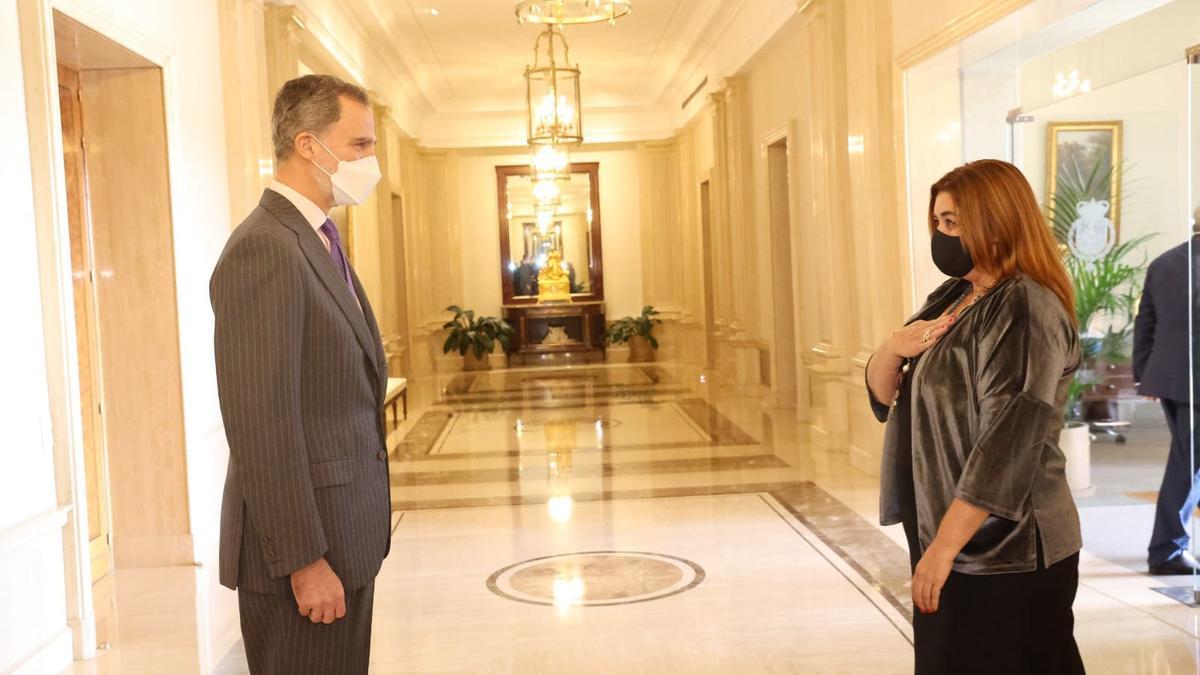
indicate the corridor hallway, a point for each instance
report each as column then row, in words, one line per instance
column 627, row 519
column 747, row 182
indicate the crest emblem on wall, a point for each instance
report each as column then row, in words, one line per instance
column 1092, row 234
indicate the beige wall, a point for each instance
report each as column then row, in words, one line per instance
column 828, row 83
column 32, row 573
column 923, row 25
column 844, row 232
column 823, row 82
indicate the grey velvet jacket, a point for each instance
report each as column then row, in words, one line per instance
column 986, row 408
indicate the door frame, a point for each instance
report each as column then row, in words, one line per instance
column 39, row 63
column 785, row 133
column 708, row 272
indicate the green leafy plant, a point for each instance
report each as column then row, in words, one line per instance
column 624, row 329
column 1107, row 288
column 478, row 334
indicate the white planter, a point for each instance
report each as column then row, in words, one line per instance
column 1076, row 444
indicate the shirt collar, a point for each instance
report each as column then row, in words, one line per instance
column 311, row 212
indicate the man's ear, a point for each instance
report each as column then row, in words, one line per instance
column 303, row 144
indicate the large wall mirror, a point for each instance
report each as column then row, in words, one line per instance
column 528, row 238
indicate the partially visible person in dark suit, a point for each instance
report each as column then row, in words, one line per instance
column 525, row 278
column 1160, row 367
column 301, row 376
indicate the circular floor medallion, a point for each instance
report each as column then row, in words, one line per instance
column 596, row 578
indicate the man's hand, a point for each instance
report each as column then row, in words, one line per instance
column 319, row 592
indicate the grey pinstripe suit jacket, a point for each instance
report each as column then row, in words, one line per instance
column 301, row 376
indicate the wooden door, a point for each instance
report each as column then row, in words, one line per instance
column 94, row 455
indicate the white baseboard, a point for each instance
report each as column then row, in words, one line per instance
column 53, row 656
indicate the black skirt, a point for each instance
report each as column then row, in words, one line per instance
column 1000, row 624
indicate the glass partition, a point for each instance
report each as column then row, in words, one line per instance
column 1193, row 191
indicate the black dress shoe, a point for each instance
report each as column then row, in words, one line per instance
column 1180, row 564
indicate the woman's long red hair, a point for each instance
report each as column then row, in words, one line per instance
column 1002, row 226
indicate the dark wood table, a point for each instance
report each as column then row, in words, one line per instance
column 554, row 333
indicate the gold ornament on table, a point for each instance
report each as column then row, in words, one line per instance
column 554, row 285
column 557, row 335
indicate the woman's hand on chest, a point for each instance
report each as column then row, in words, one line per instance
column 919, row 336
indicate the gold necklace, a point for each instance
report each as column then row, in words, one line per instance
column 979, row 294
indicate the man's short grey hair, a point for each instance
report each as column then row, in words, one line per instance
column 308, row 103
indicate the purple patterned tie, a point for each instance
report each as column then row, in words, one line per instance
column 339, row 257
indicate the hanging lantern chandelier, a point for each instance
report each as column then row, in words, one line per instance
column 552, row 104
column 553, row 109
column 571, row 11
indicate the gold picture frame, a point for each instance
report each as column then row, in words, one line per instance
column 1095, row 141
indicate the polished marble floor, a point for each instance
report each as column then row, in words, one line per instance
column 614, row 519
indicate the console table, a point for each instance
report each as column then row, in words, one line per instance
column 556, row 332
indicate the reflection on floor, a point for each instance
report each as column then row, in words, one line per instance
column 629, row 519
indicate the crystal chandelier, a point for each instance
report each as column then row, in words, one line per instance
column 547, row 192
column 550, row 162
column 571, row 11
column 552, row 103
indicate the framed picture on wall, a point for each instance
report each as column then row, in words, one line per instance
column 1083, row 162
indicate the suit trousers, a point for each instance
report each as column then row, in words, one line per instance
column 279, row 641
column 1178, row 495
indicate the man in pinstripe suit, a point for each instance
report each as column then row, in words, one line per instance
column 301, row 376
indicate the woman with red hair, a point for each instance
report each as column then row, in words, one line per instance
column 974, row 389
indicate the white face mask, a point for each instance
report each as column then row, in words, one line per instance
column 352, row 181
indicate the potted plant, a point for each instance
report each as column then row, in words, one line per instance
column 475, row 337
column 1107, row 289
column 638, row 332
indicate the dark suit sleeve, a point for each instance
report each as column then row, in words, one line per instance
column 258, row 300
column 1143, row 329
column 1022, row 354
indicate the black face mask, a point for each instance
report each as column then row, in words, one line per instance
column 950, row 255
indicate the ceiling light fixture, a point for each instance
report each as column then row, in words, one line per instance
column 1067, row 84
column 552, row 104
column 551, row 162
column 571, row 11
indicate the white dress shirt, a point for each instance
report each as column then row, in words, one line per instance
column 311, row 212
